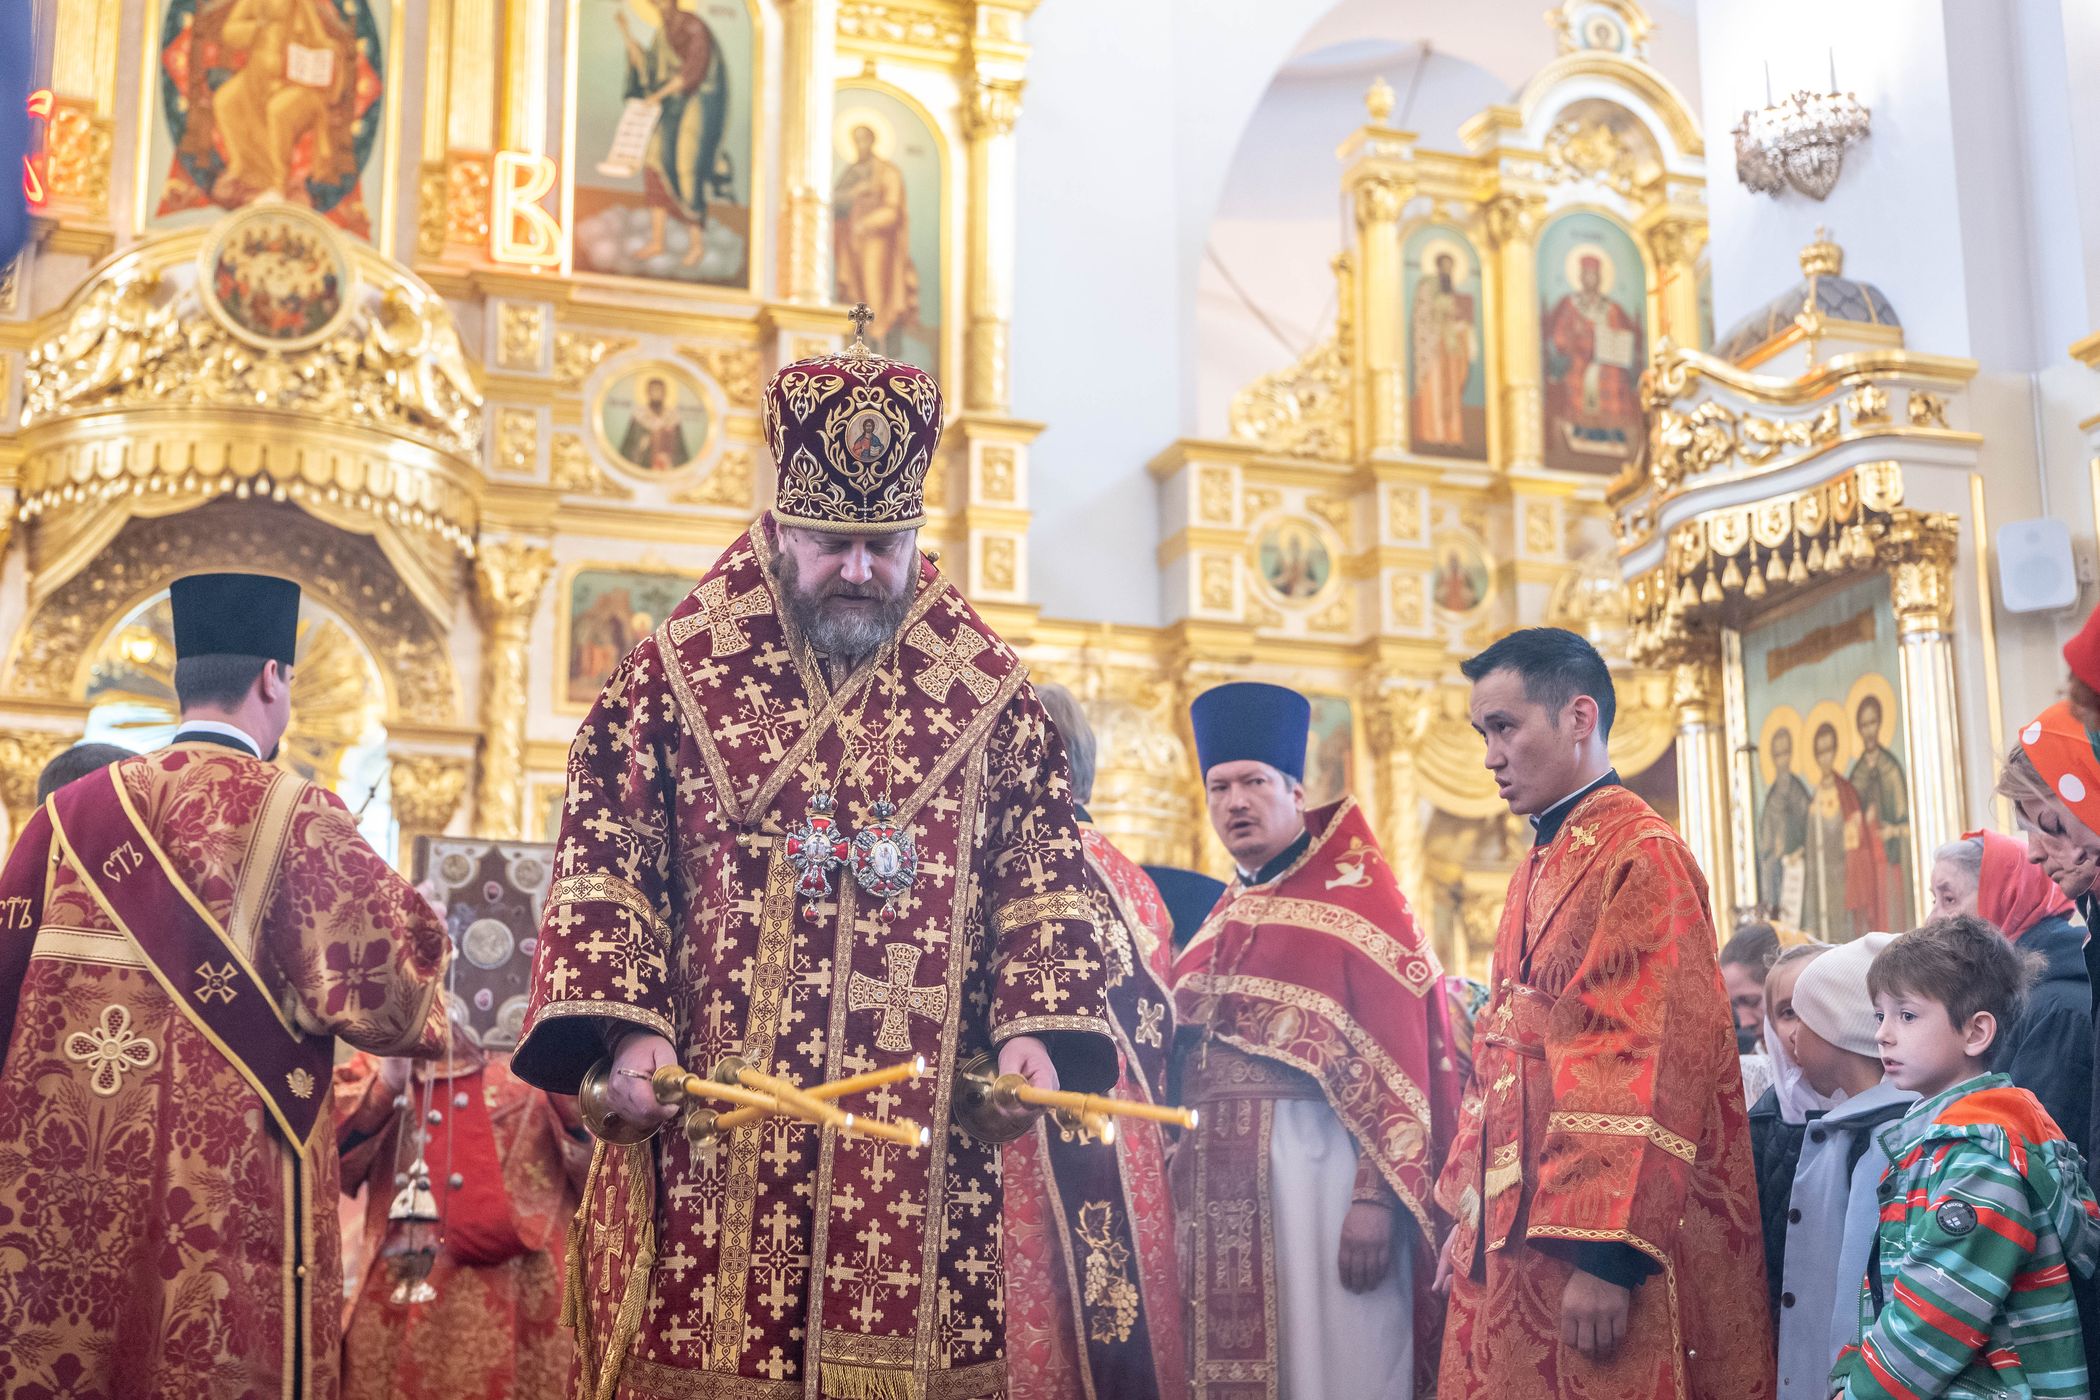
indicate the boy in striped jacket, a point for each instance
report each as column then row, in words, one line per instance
column 1984, row 1210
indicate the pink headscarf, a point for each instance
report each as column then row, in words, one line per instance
column 2012, row 892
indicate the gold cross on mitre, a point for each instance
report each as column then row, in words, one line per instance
column 860, row 316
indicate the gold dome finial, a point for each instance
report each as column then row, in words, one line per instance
column 1822, row 258
column 1379, row 100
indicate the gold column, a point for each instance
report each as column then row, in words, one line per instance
column 508, row 577
column 525, row 75
column 1674, row 241
column 1396, row 717
column 427, row 789
column 1512, row 222
column 810, row 29
column 1921, row 551
column 988, row 124
column 1703, row 804
column 1381, row 415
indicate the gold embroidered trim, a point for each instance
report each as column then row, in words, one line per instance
column 1029, row 1025
column 967, row 1382
column 1315, row 916
column 259, row 867
column 599, row 888
column 1624, row 1125
column 652, row 1380
column 1077, row 905
column 86, row 945
column 612, row 1010
column 1212, row 984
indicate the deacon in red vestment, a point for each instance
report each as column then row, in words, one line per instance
column 817, row 820
column 520, row 1155
column 1607, row 1243
column 1314, row 1044
column 1093, row 1303
column 183, row 935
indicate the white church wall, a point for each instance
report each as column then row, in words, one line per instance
column 1131, row 124
column 1967, row 206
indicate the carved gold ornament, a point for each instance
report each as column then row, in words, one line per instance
column 51, row 660
column 174, row 377
column 1724, row 559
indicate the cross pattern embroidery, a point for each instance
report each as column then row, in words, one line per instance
column 950, row 661
column 1048, row 963
column 897, row 999
column 1148, row 1030
column 215, row 982
column 721, row 617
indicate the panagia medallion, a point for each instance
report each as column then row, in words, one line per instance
column 884, row 859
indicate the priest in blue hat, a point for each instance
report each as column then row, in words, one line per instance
column 1314, row 1039
column 183, row 937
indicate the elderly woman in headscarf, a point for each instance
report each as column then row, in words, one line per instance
column 2048, row 1050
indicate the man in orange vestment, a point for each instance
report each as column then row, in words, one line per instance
column 183, row 935
column 519, row 1155
column 1314, row 1034
column 1093, row 1303
column 1607, row 1243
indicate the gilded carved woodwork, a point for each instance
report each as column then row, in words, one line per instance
column 521, row 334
column 23, row 754
column 1725, row 560
column 467, row 185
column 518, row 440
column 728, row 483
column 928, row 30
column 1579, row 149
column 736, row 369
column 426, row 789
column 509, row 576
column 349, row 573
column 1307, row 410
column 138, row 337
column 78, row 145
column 571, row 468
column 577, row 353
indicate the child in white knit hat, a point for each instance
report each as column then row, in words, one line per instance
column 1832, row 1214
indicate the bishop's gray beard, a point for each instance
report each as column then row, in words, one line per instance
column 846, row 637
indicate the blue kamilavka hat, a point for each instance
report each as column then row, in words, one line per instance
column 1248, row 720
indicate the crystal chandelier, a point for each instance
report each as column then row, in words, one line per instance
column 1799, row 142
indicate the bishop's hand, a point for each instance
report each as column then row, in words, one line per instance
column 1030, row 1058
column 644, row 1052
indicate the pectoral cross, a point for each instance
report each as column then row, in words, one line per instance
column 860, row 316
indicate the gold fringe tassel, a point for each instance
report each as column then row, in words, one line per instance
column 598, row 1369
column 864, row 1383
column 1499, row 1179
column 641, row 1214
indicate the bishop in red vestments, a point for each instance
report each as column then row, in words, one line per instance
column 1607, row 1243
column 1315, row 1046
column 1093, row 1302
column 818, row 821
column 183, row 936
